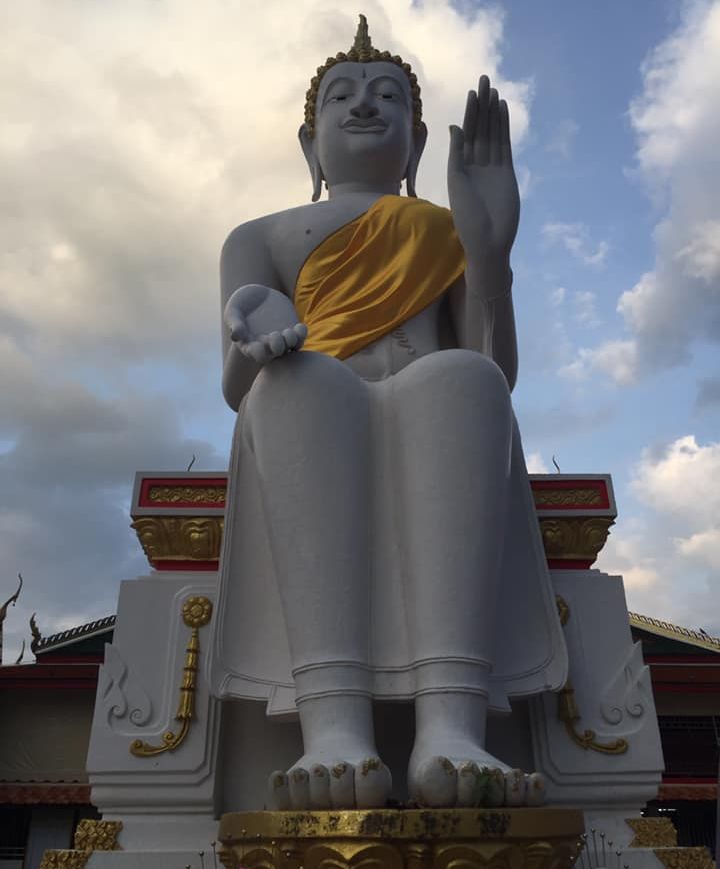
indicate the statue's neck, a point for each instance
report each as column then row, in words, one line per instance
column 376, row 189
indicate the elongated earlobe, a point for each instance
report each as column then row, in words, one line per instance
column 419, row 140
column 316, row 173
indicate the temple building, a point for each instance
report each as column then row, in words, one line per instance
column 47, row 706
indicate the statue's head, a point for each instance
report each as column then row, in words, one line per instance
column 363, row 118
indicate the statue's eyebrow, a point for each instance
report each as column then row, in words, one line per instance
column 345, row 80
column 388, row 79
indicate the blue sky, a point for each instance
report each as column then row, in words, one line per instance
column 150, row 129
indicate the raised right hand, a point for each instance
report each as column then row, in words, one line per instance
column 263, row 323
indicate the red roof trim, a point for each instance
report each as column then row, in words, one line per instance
column 83, row 676
column 60, row 794
column 182, row 482
column 600, row 486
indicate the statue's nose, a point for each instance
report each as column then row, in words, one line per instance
column 363, row 108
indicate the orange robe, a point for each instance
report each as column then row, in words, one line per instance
column 376, row 272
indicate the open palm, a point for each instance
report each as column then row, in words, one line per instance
column 482, row 187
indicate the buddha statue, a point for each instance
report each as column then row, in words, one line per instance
column 380, row 536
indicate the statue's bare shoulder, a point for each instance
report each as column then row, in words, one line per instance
column 272, row 249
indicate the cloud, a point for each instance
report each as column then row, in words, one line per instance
column 585, row 311
column 557, row 296
column 670, row 555
column 563, row 138
column 681, row 480
column 617, row 359
column 536, row 464
column 677, row 127
column 575, row 238
column 132, row 139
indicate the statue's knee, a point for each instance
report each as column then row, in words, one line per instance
column 463, row 371
column 299, row 381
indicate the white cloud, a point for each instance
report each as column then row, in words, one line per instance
column 616, row 359
column 575, row 238
column 703, row 546
column 557, row 296
column 682, row 480
column 536, row 464
column 670, row 555
column 677, row 126
column 700, row 258
column 585, row 310
column 563, row 138
column 133, row 137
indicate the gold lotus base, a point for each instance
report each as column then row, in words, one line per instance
column 527, row 838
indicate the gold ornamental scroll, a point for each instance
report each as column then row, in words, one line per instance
column 527, row 838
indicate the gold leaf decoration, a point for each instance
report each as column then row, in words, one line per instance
column 576, row 539
column 173, row 538
column 652, row 832
column 685, row 858
column 54, row 859
column 196, row 613
column 543, row 838
column 92, row 835
column 567, row 498
column 188, row 494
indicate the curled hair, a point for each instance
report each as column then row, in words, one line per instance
column 361, row 52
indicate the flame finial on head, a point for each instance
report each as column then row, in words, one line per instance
column 362, row 51
column 363, row 44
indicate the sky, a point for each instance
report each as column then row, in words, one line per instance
column 134, row 135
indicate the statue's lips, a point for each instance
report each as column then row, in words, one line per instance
column 364, row 127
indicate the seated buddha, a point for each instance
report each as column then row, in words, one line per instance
column 380, row 536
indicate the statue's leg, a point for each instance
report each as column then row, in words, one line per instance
column 454, row 431
column 308, row 424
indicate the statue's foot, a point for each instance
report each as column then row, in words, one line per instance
column 319, row 783
column 468, row 776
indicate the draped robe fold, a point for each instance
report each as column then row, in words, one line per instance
column 360, row 283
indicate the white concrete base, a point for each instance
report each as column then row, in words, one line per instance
column 156, row 832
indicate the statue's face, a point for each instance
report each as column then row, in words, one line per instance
column 363, row 124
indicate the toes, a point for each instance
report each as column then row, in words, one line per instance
column 515, row 788
column 535, row 789
column 299, row 787
column 319, row 787
column 468, row 784
column 342, row 786
column 279, row 791
column 437, row 783
column 373, row 784
column 495, row 787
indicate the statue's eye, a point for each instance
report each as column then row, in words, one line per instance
column 387, row 96
column 339, row 98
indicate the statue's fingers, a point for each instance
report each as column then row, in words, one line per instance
column 456, row 157
column 290, row 338
column 276, row 343
column 505, row 145
column 494, row 127
column 469, row 123
column 481, row 151
column 301, row 330
column 238, row 331
column 256, row 351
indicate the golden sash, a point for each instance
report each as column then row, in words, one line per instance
column 375, row 273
